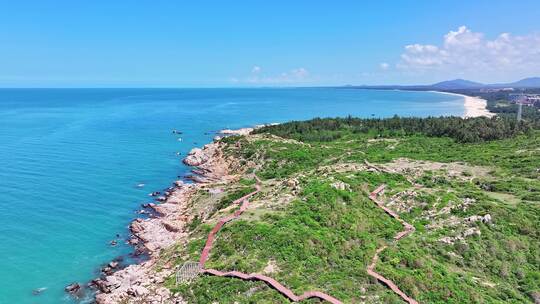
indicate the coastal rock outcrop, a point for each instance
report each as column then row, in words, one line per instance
column 211, row 165
column 138, row 283
column 136, row 226
column 141, row 283
column 73, row 288
column 196, row 157
column 243, row 131
column 162, row 231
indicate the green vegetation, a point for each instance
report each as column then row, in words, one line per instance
column 231, row 197
column 324, row 236
column 461, row 130
column 513, row 158
column 498, row 266
column 317, row 230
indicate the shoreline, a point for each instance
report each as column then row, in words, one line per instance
column 474, row 106
column 166, row 225
column 169, row 215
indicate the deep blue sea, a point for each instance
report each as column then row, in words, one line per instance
column 71, row 160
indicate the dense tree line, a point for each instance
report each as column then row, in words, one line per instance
column 462, row 130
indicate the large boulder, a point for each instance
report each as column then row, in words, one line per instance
column 101, row 285
column 196, row 157
column 136, row 226
column 73, row 288
column 137, row 291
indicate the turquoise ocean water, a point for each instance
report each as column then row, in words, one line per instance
column 71, row 160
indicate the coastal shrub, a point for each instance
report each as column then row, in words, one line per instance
column 247, row 182
column 499, row 265
column 228, row 199
column 322, row 241
column 194, row 223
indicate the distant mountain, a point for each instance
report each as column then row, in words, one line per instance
column 457, row 84
column 531, row 82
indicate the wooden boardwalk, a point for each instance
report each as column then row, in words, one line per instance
column 244, row 204
column 408, row 230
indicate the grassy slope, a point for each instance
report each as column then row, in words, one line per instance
column 325, row 237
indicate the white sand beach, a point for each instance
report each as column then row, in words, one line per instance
column 474, row 106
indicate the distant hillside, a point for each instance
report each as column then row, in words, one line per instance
column 531, row 82
column 457, row 84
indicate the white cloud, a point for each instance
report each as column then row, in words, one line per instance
column 296, row 75
column 465, row 51
column 384, row 66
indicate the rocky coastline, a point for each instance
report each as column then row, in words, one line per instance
column 165, row 226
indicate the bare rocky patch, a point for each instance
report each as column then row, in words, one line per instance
column 416, row 168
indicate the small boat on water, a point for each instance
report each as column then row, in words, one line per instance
column 38, row 291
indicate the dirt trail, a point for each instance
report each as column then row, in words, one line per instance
column 408, row 230
column 244, row 204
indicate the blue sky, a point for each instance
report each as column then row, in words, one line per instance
column 265, row 43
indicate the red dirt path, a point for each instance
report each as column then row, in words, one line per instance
column 244, row 204
column 408, row 230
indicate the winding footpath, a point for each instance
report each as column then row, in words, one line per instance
column 244, row 204
column 408, row 230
